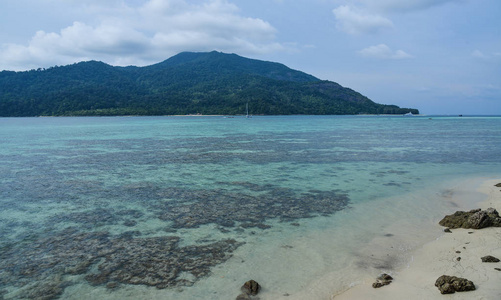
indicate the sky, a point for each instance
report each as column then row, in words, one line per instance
column 440, row 56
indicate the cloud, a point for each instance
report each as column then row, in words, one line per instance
column 479, row 54
column 145, row 34
column 354, row 21
column 490, row 57
column 404, row 6
column 382, row 51
column 370, row 16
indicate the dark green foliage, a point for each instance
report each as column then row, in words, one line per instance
column 188, row 83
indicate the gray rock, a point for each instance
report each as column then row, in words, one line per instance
column 479, row 219
column 251, row 287
column 385, row 276
column 451, row 284
column 473, row 219
column 490, row 258
column 382, row 280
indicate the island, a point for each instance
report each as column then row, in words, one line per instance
column 206, row 83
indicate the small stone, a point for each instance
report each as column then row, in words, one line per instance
column 458, row 251
column 251, row 287
column 498, row 185
column 458, row 259
column 490, row 258
column 470, row 232
column 497, row 269
column 382, row 280
column 448, row 230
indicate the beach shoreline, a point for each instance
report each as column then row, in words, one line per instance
column 455, row 254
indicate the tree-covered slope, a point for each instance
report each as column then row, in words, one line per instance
column 206, row 83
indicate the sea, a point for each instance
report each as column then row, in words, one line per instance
column 192, row 207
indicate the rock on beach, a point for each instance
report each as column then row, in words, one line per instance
column 451, row 284
column 473, row 219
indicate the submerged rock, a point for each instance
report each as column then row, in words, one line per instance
column 473, row 219
column 451, row 284
column 490, row 258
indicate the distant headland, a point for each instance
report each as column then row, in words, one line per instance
column 207, row 83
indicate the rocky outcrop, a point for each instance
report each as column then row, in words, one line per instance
column 473, row 219
column 382, row 280
column 451, row 284
column 490, row 258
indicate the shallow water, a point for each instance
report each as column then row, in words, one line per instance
column 192, row 207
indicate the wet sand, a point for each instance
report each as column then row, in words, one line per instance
column 440, row 257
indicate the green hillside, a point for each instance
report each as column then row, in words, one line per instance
column 188, row 83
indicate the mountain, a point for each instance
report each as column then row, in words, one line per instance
column 187, row 83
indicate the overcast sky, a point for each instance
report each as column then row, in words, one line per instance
column 440, row 56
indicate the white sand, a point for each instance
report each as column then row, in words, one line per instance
column 439, row 257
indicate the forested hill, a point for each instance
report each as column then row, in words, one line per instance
column 187, row 83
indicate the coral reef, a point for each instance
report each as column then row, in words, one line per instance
column 193, row 208
column 39, row 267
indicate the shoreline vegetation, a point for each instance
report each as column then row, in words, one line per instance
column 459, row 252
column 219, row 115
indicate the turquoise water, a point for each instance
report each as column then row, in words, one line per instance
column 192, row 207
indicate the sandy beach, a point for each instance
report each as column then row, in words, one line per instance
column 456, row 254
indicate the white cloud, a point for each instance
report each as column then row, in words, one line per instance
column 490, row 57
column 479, row 54
column 382, row 51
column 405, row 5
column 354, row 21
column 145, row 34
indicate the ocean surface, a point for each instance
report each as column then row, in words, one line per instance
column 193, row 207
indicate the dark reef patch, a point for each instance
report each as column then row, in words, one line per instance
column 39, row 262
column 98, row 217
column 39, row 268
column 193, row 208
